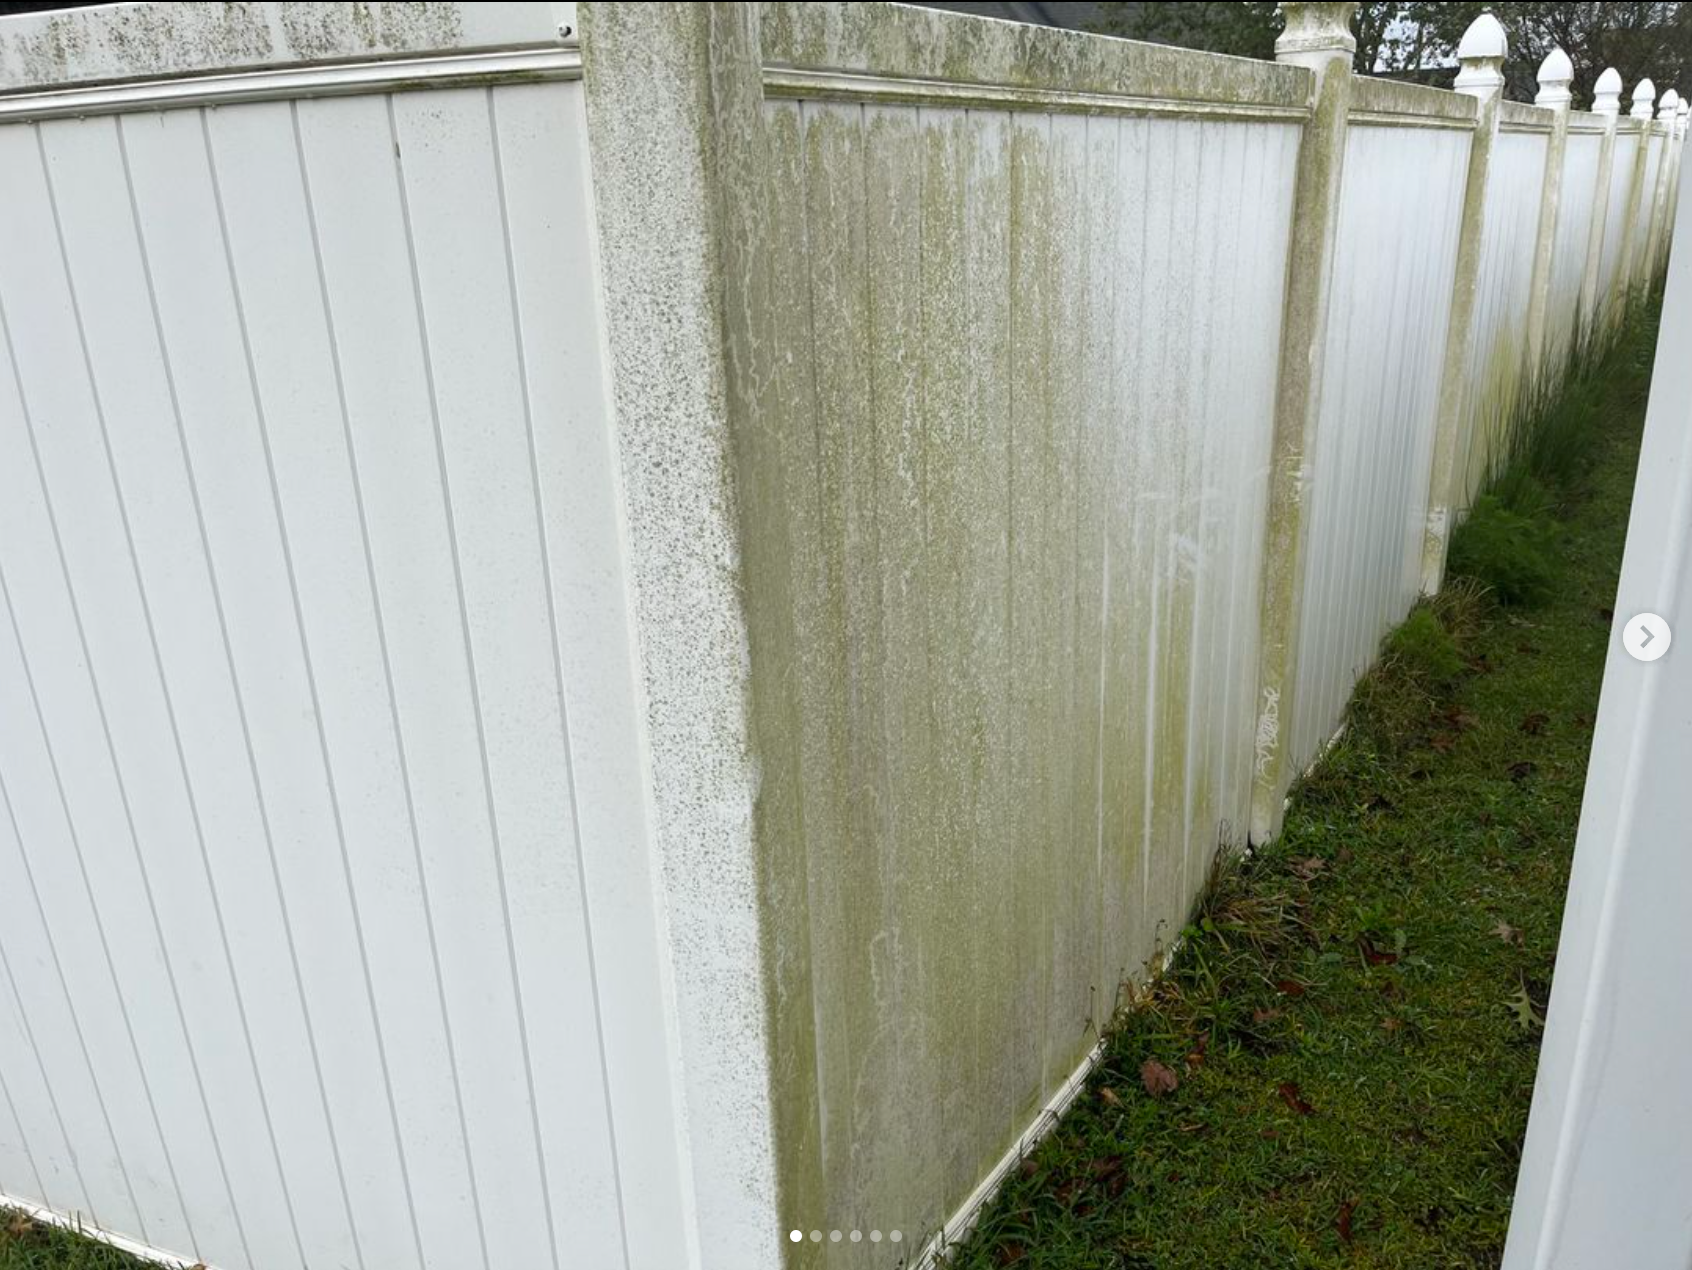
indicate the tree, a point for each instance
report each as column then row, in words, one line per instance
column 1245, row 30
column 1241, row 29
column 1418, row 41
column 1640, row 40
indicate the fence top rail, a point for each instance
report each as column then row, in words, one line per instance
column 112, row 44
column 1586, row 121
column 1518, row 116
column 1394, row 103
column 892, row 51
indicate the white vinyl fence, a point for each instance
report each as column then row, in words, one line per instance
column 1604, row 1168
column 624, row 621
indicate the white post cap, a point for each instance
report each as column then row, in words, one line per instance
column 1667, row 107
column 1606, row 93
column 1316, row 28
column 1556, row 75
column 1481, row 56
column 1644, row 94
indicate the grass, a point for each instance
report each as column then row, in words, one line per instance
column 1336, row 1069
column 30, row 1245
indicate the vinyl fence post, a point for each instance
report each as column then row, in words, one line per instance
column 1667, row 112
column 1644, row 94
column 674, row 99
column 1677, row 140
column 1317, row 36
column 1481, row 56
column 1606, row 104
column 1556, row 74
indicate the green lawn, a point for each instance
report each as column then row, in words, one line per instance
column 30, row 1245
column 1354, row 1019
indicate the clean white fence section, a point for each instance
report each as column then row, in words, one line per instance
column 621, row 626
column 1603, row 1178
column 328, row 938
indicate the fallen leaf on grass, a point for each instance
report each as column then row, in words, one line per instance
column 1524, row 1011
column 1291, row 1095
column 1534, row 724
column 1290, row 988
column 1260, row 1016
column 20, row 1225
column 1459, row 720
column 1508, row 933
column 1109, row 1097
column 1011, row 1254
column 1445, row 742
column 1111, row 1175
column 1521, row 771
column 1106, row 1166
column 1391, row 1025
column 1343, row 1222
column 1158, row 1079
column 1374, row 956
column 1308, row 868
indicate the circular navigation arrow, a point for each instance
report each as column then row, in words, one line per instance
column 1646, row 637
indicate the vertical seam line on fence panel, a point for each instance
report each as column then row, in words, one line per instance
column 333, row 339
column 470, row 666
column 164, row 690
column 64, row 803
column 311, row 682
column 235, row 684
column 29, row 1032
column 557, row 669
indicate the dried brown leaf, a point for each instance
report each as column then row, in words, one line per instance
column 1294, row 1098
column 1343, row 1222
column 1158, row 1079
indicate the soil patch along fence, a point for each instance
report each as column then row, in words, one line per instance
column 623, row 621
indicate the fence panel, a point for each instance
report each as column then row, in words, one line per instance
column 1400, row 210
column 1497, row 367
column 1577, row 204
column 320, row 714
column 1612, row 285
column 1001, row 463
